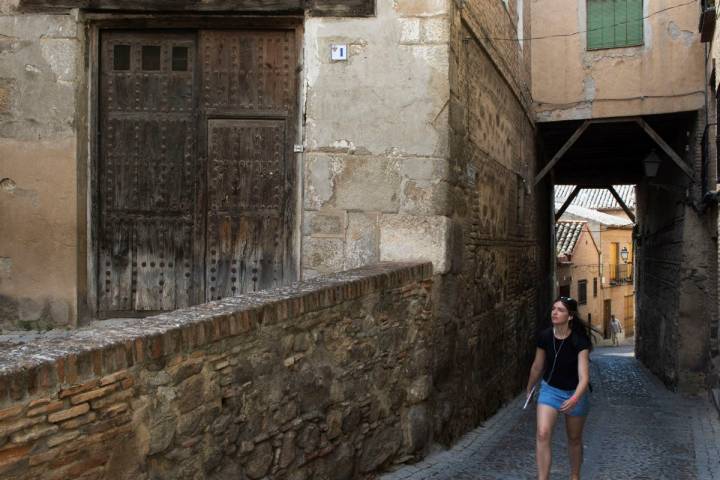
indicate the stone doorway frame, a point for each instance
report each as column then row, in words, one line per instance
column 88, row 121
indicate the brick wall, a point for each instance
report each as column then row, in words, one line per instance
column 490, row 300
column 326, row 379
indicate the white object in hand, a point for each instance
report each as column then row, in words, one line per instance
column 530, row 395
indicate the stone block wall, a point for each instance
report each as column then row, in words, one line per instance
column 326, row 379
column 376, row 135
column 39, row 56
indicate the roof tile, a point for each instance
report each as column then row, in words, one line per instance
column 597, row 198
column 567, row 234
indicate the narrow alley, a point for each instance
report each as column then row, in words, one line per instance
column 637, row 429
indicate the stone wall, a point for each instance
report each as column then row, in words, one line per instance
column 676, row 281
column 326, row 379
column 39, row 57
column 376, row 134
column 491, row 299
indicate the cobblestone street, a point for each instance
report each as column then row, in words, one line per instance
column 636, row 430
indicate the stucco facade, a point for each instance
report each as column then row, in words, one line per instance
column 39, row 60
column 570, row 82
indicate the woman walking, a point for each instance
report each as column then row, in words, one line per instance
column 562, row 361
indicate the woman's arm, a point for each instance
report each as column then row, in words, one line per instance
column 536, row 370
column 584, row 381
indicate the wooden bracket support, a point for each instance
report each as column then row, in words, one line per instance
column 567, row 203
column 556, row 158
column 619, row 199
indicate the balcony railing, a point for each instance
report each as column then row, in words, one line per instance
column 618, row 274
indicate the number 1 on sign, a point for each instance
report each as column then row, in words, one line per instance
column 338, row 52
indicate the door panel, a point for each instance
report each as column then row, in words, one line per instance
column 249, row 107
column 176, row 226
column 252, row 70
column 246, row 193
column 146, row 172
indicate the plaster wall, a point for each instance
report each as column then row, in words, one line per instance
column 665, row 74
column 39, row 57
column 376, row 138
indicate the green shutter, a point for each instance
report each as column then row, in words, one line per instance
column 594, row 24
column 620, row 23
column 608, row 23
column 614, row 23
column 635, row 22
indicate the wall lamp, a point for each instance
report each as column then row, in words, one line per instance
column 652, row 164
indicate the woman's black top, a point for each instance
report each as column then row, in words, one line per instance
column 565, row 375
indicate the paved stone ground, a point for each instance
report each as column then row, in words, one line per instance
column 637, row 429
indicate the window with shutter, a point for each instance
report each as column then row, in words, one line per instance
column 614, row 23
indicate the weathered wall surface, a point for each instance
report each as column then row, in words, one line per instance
column 39, row 57
column 666, row 74
column 492, row 297
column 676, row 281
column 376, row 137
column 328, row 379
column 712, row 61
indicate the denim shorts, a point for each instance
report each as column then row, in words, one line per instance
column 554, row 397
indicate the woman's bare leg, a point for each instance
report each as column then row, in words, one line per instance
column 574, row 428
column 546, row 418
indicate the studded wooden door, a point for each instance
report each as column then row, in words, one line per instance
column 248, row 104
column 194, row 171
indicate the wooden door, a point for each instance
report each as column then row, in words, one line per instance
column 146, row 172
column 607, row 311
column 614, row 257
column 195, row 167
column 249, row 109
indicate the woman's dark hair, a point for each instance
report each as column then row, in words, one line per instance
column 577, row 325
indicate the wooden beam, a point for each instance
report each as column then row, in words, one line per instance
column 619, row 199
column 571, row 141
column 666, row 148
column 615, row 120
column 341, row 8
column 315, row 7
column 166, row 5
column 567, row 203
